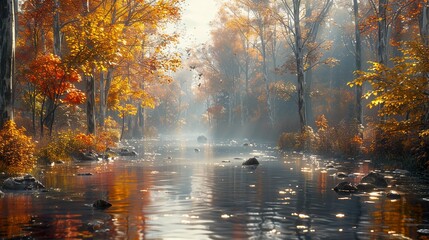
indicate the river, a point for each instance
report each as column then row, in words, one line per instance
column 180, row 189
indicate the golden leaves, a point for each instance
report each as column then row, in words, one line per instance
column 16, row 149
column 400, row 90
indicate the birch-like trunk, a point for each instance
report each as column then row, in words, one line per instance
column 299, row 59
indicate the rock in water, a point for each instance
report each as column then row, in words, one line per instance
column 86, row 156
column 393, row 195
column 376, row 179
column 251, row 161
column 26, row 182
column 345, row 187
column 84, row 174
column 342, row 175
column 365, row 187
column 1, row 194
column 202, row 139
column 126, row 152
column 101, row 204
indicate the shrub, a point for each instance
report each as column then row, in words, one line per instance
column 68, row 143
column 16, row 149
column 343, row 139
column 61, row 148
column 305, row 141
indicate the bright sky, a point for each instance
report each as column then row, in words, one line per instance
column 196, row 18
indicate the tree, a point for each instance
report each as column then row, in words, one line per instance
column 109, row 39
column 358, row 60
column 55, row 83
column 7, row 58
column 301, row 37
column 402, row 93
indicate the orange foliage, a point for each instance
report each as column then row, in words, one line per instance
column 16, row 149
column 54, row 80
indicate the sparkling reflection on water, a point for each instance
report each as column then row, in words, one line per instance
column 185, row 190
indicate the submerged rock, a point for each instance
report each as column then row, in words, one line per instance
column 393, row 195
column 376, row 179
column 202, row 139
column 345, row 187
column 101, row 204
column 126, row 152
column 250, row 162
column 401, row 171
column 423, row 231
column 26, row 182
column 365, row 187
column 86, row 156
column 342, row 175
column 84, row 174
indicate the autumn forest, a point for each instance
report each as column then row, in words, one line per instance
column 338, row 78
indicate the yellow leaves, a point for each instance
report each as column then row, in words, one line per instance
column 400, row 90
column 16, row 149
column 94, row 42
column 127, row 109
column 331, row 62
column 376, row 102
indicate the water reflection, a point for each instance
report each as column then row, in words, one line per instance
column 173, row 191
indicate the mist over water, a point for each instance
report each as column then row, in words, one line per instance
column 179, row 188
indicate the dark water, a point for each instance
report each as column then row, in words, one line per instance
column 173, row 192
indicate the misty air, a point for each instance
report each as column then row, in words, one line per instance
column 214, row 119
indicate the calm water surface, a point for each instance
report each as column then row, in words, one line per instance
column 171, row 191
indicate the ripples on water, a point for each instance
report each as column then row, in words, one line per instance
column 173, row 191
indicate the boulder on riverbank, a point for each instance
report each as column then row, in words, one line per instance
column 375, row 179
column 101, row 204
column 87, row 156
column 251, row 162
column 26, row 182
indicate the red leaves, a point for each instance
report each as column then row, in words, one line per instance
column 54, row 80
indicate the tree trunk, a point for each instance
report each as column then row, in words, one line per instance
column 266, row 80
column 308, row 101
column 90, row 103
column 299, row 58
column 7, row 59
column 49, row 122
column 57, row 29
column 358, row 59
column 102, row 114
column 382, row 32
column 424, row 34
column 424, row 24
column 122, row 126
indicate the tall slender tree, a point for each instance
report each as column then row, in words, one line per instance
column 7, row 58
column 358, row 61
column 301, row 34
